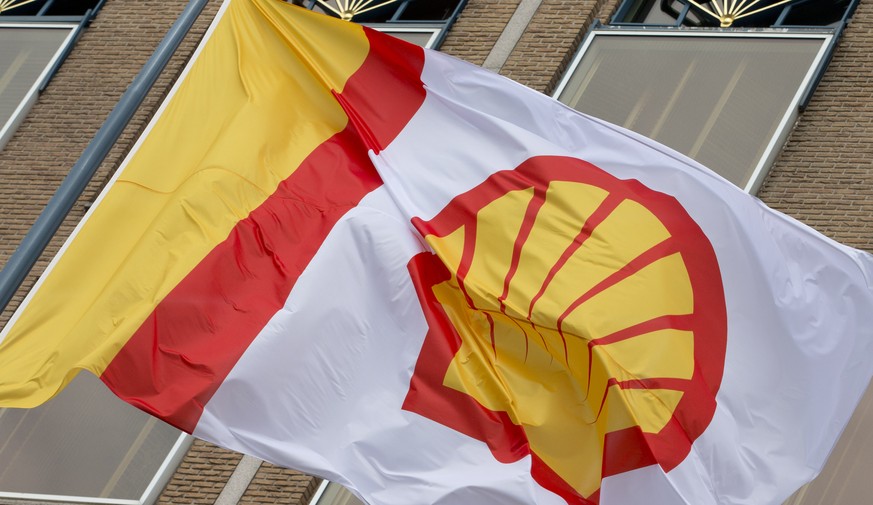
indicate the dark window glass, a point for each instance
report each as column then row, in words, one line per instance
column 733, row 13
column 815, row 13
column 720, row 100
column 70, row 7
column 380, row 11
column 429, row 10
column 49, row 8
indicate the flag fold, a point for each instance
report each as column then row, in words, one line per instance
column 344, row 254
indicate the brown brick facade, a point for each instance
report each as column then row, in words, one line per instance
column 279, row 486
column 548, row 44
column 474, row 33
column 823, row 177
column 56, row 131
column 201, row 476
column 73, row 107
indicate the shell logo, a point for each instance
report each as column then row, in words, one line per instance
column 575, row 318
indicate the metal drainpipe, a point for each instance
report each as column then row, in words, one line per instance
column 48, row 222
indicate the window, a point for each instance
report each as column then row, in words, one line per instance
column 721, row 81
column 86, row 446
column 35, row 36
column 422, row 34
column 424, row 23
column 28, row 52
column 726, row 99
column 735, row 13
column 331, row 493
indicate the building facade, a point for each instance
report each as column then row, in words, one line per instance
column 792, row 88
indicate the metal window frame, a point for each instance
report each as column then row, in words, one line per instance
column 332, row 493
column 149, row 496
column 837, row 29
column 17, row 117
column 625, row 6
column 435, row 30
column 87, row 16
column 77, row 23
column 439, row 26
column 319, row 492
column 789, row 117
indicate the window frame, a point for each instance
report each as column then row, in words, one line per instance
column 435, row 30
column 332, row 493
column 75, row 26
column 7, row 130
column 149, row 496
column 440, row 27
column 789, row 117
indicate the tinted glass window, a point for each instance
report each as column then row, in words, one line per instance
column 84, row 442
column 719, row 100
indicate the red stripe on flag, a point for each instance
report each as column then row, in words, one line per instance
column 181, row 354
column 372, row 109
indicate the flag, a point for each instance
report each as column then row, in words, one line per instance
column 344, row 254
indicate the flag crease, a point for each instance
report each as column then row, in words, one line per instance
column 375, row 263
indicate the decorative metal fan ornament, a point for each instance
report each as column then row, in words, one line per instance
column 728, row 11
column 5, row 5
column 348, row 9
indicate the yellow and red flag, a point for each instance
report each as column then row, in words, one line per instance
column 344, row 254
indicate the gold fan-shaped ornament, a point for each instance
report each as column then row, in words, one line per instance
column 6, row 5
column 726, row 12
column 348, row 9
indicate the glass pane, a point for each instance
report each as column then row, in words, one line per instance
column 817, row 13
column 84, row 442
column 656, row 16
column 24, row 54
column 760, row 14
column 335, row 494
column 650, row 12
column 429, row 10
column 419, row 38
column 718, row 100
column 55, row 7
column 70, row 7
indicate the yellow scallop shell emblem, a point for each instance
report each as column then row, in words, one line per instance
column 574, row 317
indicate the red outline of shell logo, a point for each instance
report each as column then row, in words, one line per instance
column 575, row 318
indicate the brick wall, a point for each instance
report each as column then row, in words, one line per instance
column 59, row 127
column 201, row 476
column 818, row 178
column 474, row 33
column 824, row 175
column 543, row 52
column 279, row 486
column 74, row 105
column 548, row 44
column 607, row 9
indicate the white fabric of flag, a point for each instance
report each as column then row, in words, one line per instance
column 329, row 399
column 343, row 254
